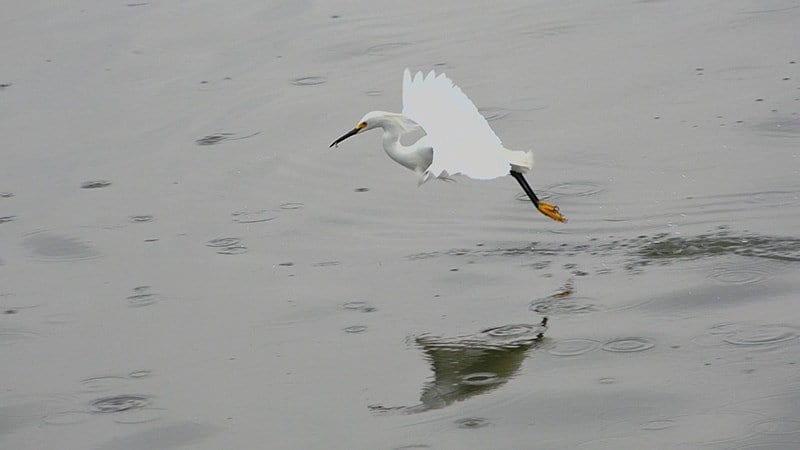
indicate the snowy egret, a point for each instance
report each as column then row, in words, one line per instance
column 457, row 140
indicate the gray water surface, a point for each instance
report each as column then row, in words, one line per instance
column 185, row 264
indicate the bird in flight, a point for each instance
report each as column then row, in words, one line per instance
column 457, row 140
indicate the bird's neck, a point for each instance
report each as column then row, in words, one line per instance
column 393, row 147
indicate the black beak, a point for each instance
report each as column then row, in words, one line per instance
column 352, row 132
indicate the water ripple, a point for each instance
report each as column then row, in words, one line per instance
column 66, row 418
column 292, row 205
column 472, row 422
column 224, row 242
column 49, row 246
column 227, row 245
column 95, row 184
column 658, row 424
column 738, row 274
column 574, row 189
column 119, row 403
column 139, row 415
column 387, row 48
column 216, row 138
column 233, row 250
column 140, row 219
column 261, row 215
column 778, row 425
column 309, row 81
column 628, row 345
column 142, row 297
column 504, row 337
column 359, row 306
column 573, row 347
column 761, row 335
column 103, row 383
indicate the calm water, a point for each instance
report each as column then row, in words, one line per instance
column 185, row 264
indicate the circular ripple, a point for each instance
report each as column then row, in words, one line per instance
column 309, row 81
column 628, row 345
column 494, row 113
column 261, row 215
column 353, row 329
column 142, row 218
column 326, row 263
column 472, row 422
column 523, row 197
column 292, row 205
column 510, row 330
column 6, row 194
column 143, row 373
column 354, row 305
column 761, row 335
column 95, row 184
column 383, row 49
column 213, row 139
column 738, row 275
column 141, row 415
column 726, row 328
column 573, row 347
column 66, row 418
column 728, row 427
column 119, row 403
column 373, row 93
column 574, row 189
column 102, row 384
column 481, row 379
column 48, row 246
column 233, row 250
column 559, row 306
column 224, row 242
column 359, row 306
column 145, row 299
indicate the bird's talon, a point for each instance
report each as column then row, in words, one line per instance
column 551, row 211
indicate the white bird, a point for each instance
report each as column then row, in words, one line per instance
column 457, row 140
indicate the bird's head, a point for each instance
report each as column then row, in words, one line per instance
column 375, row 119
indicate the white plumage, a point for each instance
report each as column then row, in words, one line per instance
column 457, row 141
column 461, row 138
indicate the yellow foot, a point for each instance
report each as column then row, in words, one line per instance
column 551, row 211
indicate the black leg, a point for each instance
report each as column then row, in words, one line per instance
column 545, row 208
column 526, row 187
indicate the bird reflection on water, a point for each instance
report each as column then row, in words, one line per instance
column 466, row 366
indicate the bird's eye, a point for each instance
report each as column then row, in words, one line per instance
column 361, row 125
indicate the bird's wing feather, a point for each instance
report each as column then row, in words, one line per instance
column 462, row 141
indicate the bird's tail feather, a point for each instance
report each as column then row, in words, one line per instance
column 521, row 161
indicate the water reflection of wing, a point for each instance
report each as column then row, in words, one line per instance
column 471, row 365
column 461, row 373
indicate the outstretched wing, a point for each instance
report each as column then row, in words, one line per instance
column 461, row 138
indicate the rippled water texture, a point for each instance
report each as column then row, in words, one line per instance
column 186, row 264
